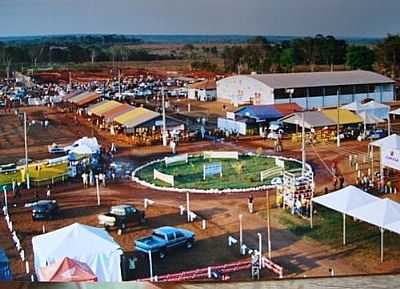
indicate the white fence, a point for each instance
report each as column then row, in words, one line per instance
column 212, row 169
column 280, row 163
column 273, row 172
column 163, row 177
column 176, row 159
column 221, row 155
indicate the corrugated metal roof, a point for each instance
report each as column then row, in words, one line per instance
column 136, row 117
column 311, row 119
column 103, row 107
column 205, row 84
column 317, row 79
column 84, row 98
column 287, row 108
column 117, row 111
column 345, row 116
column 269, row 111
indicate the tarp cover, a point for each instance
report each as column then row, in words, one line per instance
column 136, row 117
column 268, row 112
column 311, row 119
column 345, row 116
column 390, row 142
column 84, row 146
column 67, row 270
column 93, row 246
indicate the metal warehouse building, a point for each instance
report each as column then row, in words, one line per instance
column 309, row 90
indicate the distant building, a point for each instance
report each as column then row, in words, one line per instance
column 309, row 90
column 203, row 91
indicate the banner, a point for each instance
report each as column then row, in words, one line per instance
column 212, row 169
column 175, row 159
column 163, row 177
column 391, row 158
column 231, row 125
column 280, row 163
column 221, row 155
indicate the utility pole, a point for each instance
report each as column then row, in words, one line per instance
column 26, row 152
column 268, row 226
column 164, row 129
column 338, row 122
column 303, row 145
column 119, row 82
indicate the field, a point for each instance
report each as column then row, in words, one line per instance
column 236, row 174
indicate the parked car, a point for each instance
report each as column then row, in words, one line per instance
column 45, row 210
column 165, row 239
column 121, row 216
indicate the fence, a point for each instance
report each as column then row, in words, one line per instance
column 49, row 181
column 273, row 172
column 163, row 177
column 221, row 155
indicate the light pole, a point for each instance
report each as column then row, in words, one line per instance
column 188, row 207
column 260, row 249
column 303, row 145
column 150, row 265
column 5, row 197
column 26, row 152
column 338, row 122
column 97, row 190
column 268, row 226
column 240, row 231
column 164, row 129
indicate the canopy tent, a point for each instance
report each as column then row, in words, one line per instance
column 136, row 117
column 389, row 152
column 378, row 109
column 359, row 204
column 369, row 118
column 67, row 270
column 354, row 106
column 345, row 116
column 311, row 119
column 102, row 107
column 395, row 112
column 93, row 246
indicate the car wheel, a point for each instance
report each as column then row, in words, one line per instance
column 189, row 244
column 163, row 253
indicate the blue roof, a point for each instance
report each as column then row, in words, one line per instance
column 259, row 112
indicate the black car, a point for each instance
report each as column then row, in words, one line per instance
column 44, row 210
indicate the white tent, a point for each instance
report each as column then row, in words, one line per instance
column 381, row 214
column 354, row 106
column 395, row 112
column 93, row 246
column 389, row 144
column 380, row 110
column 85, row 145
column 369, row 118
column 344, row 201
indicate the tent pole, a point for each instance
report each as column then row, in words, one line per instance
column 381, row 166
column 344, row 229
column 382, row 231
column 389, row 127
column 311, row 212
column 372, row 163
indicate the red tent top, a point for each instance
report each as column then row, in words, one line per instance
column 67, row 270
column 287, row 108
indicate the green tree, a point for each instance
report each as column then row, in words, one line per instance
column 360, row 57
column 388, row 55
column 287, row 59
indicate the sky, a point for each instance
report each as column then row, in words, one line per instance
column 346, row 18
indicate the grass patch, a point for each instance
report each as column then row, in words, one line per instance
column 328, row 229
column 237, row 174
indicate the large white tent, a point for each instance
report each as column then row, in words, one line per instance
column 93, row 246
column 389, row 152
column 383, row 213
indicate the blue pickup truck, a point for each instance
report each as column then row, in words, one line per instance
column 164, row 239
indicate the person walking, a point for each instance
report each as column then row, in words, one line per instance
column 250, row 204
column 48, row 193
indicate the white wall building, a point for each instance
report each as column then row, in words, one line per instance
column 203, row 91
column 309, row 90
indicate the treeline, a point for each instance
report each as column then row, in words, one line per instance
column 33, row 55
column 261, row 56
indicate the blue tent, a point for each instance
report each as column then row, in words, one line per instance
column 259, row 112
column 5, row 271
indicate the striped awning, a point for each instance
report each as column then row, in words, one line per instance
column 100, row 108
column 345, row 116
column 136, row 117
column 84, row 98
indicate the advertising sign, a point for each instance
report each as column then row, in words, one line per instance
column 391, row 158
column 212, row 170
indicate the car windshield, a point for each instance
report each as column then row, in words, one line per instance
column 158, row 235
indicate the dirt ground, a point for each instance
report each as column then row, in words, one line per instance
column 299, row 257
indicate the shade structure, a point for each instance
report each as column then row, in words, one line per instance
column 345, row 116
column 389, row 142
column 84, row 98
column 395, row 112
column 381, row 213
column 370, row 118
column 268, row 112
column 136, row 117
column 67, row 270
column 354, row 106
column 312, row 119
column 84, row 146
column 110, row 115
column 346, row 200
column 93, row 246
column 103, row 107
column 380, row 110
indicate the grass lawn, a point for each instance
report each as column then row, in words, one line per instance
column 236, row 174
column 328, row 229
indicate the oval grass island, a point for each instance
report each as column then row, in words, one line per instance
column 214, row 172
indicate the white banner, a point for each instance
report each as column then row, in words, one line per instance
column 272, row 172
column 175, row 159
column 280, row 163
column 391, row 158
column 212, row 169
column 221, row 155
column 231, row 125
column 163, row 177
